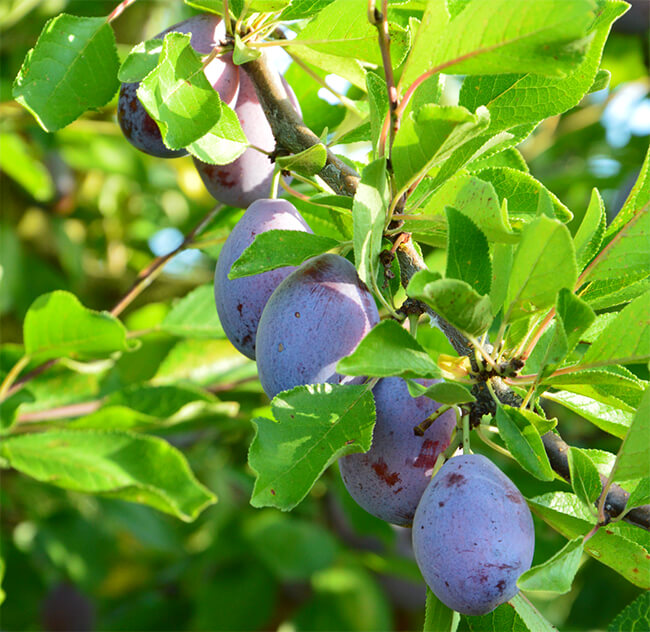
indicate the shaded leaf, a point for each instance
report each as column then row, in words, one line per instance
column 556, row 574
column 116, row 464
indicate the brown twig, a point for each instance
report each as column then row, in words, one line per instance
column 119, row 9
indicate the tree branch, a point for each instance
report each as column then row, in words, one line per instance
column 293, row 136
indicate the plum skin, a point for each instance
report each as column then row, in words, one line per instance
column 389, row 479
column 316, row 316
column 248, row 178
column 137, row 125
column 473, row 535
column 240, row 301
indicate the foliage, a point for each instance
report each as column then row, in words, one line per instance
column 124, row 407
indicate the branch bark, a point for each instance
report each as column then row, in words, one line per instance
column 293, row 136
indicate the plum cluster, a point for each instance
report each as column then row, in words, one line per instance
column 249, row 177
column 472, row 530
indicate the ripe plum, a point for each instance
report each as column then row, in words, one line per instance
column 138, row 127
column 473, row 535
column 240, row 301
column 389, row 479
column 316, row 316
column 248, row 178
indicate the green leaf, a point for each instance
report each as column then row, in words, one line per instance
column 543, row 264
column 569, row 516
column 549, row 351
column 640, row 495
column 637, row 199
column 434, row 22
column 142, row 59
column 633, row 459
column 468, row 254
column 58, row 325
column 635, row 616
column 576, row 316
column 342, row 29
column 616, row 421
column 540, row 39
column 510, row 157
column 147, row 405
column 517, row 99
column 453, row 300
column 224, row 143
column 115, row 464
column 626, row 340
column 502, row 256
column 474, row 198
column 10, row 408
column 72, row 68
column 523, row 193
column 601, row 81
column 556, row 574
column 590, row 235
column 532, row 618
column 524, row 442
column 178, row 95
column 626, row 256
column 194, row 316
column 278, row 248
column 610, row 385
column 428, row 137
column 585, row 479
column 312, row 426
column 610, row 293
column 301, row 9
column 242, row 54
column 387, row 350
column 504, row 617
column 437, row 616
column 368, row 217
column 449, row 393
column 307, row 163
column 17, row 161
column 378, row 105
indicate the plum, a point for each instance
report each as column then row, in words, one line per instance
column 138, row 127
column 473, row 535
column 316, row 316
column 389, row 479
column 240, row 301
column 248, row 178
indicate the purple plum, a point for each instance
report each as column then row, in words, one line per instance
column 389, row 479
column 138, row 127
column 248, row 178
column 316, row 316
column 240, row 301
column 473, row 535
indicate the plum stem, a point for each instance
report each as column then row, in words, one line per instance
column 275, row 181
column 421, row 428
column 466, row 435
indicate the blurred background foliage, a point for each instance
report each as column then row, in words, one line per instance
column 82, row 210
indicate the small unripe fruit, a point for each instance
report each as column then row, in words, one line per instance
column 473, row 535
column 315, row 317
column 240, row 301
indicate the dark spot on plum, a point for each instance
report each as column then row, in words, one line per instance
column 501, row 585
column 428, row 454
column 398, row 490
column 447, row 584
column 297, row 314
column 381, row 470
column 441, row 504
column 455, row 479
column 246, row 340
column 280, row 347
column 133, row 104
column 225, row 177
column 514, row 497
column 239, row 308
